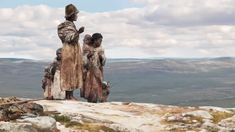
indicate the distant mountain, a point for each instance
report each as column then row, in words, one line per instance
column 131, row 59
column 176, row 65
column 16, row 60
column 198, row 81
column 13, row 59
column 225, row 58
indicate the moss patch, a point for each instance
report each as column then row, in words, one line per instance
column 174, row 110
column 218, row 116
column 62, row 118
column 72, row 124
column 93, row 127
column 89, row 126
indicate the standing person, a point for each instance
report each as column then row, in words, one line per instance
column 94, row 75
column 71, row 64
column 87, row 49
column 57, row 92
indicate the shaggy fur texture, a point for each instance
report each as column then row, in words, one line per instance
column 93, row 75
column 71, row 67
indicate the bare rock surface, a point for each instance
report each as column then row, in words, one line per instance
column 42, row 123
column 139, row 117
column 77, row 116
column 16, row 127
column 116, row 116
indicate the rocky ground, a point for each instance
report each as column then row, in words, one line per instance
column 75, row 116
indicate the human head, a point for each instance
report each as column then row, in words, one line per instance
column 97, row 39
column 71, row 12
column 87, row 39
column 59, row 54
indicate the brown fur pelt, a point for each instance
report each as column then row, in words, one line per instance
column 93, row 74
column 93, row 85
column 71, row 67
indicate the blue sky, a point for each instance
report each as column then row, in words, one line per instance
column 85, row 5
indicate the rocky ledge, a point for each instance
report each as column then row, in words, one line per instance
column 75, row 116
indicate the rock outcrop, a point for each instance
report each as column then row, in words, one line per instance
column 13, row 108
column 76, row 116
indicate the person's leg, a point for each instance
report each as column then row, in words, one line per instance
column 67, row 94
column 71, row 96
column 91, row 98
column 50, row 98
column 94, row 98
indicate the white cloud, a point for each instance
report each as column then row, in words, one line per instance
column 189, row 12
column 28, row 30
column 162, row 28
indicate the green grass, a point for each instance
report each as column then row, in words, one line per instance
column 93, row 127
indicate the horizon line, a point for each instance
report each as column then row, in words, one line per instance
column 130, row 58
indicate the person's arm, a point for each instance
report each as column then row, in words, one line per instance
column 86, row 52
column 71, row 34
column 53, row 68
column 68, row 32
column 102, row 57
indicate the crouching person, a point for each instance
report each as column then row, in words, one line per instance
column 51, row 80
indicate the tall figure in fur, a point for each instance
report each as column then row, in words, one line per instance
column 71, row 64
